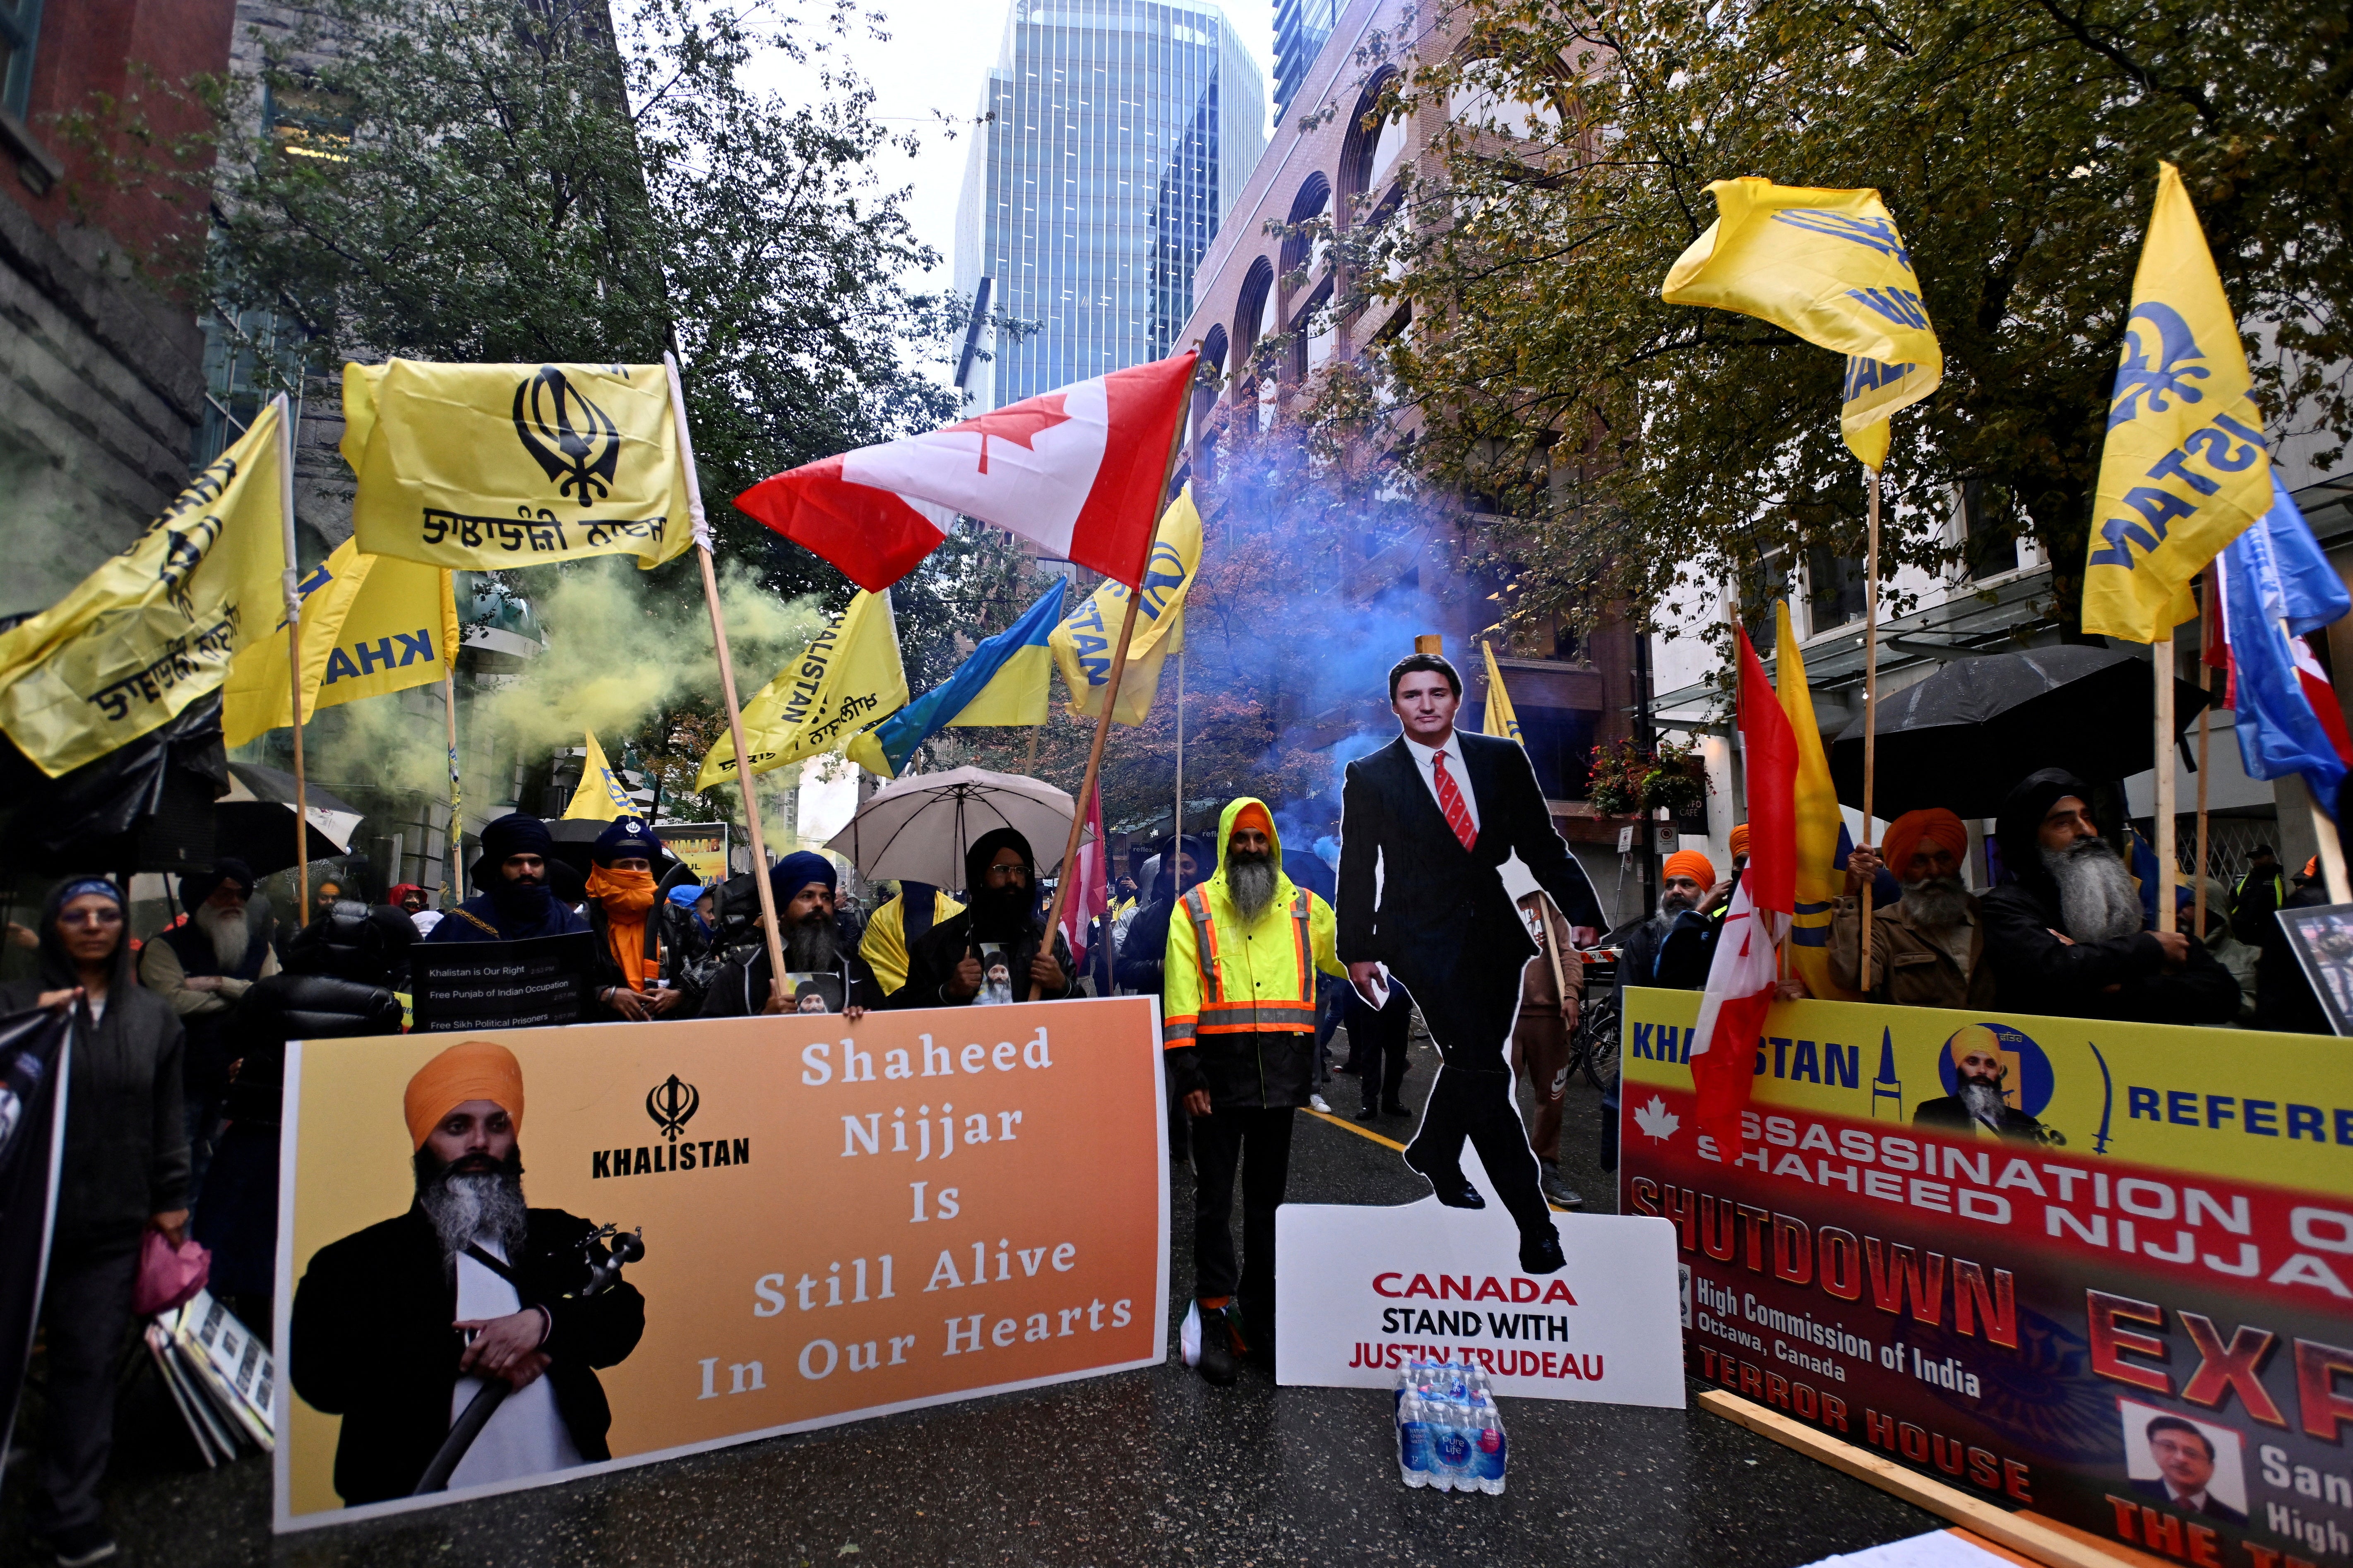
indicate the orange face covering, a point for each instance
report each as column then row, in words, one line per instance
column 475, row 1069
column 627, row 896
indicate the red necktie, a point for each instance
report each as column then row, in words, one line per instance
column 1450, row 802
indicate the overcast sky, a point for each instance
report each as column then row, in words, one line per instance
column 935, row 59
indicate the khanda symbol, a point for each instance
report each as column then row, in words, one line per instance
column 673, row 1104
column 568, row 435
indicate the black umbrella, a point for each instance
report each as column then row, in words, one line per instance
column 1961, row 738
column 255, row 821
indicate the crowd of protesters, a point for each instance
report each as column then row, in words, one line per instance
column 178, row 1065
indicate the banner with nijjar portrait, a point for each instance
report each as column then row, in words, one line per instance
column 2103, row 1272
column 513, row 1257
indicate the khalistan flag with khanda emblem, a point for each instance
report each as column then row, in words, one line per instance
column 2185, row 468
column 158, row 626
column 485, row 467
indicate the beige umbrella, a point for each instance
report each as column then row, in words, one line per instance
column 917, row 829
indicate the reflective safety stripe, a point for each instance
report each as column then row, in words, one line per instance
column 1220, row 1016
column 1176, row 1032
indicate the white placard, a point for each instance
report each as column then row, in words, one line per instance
column 1360, row 1291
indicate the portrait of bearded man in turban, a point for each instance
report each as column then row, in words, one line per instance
column 397, row 1327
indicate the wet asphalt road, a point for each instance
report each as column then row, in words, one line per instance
column 1145, row 1467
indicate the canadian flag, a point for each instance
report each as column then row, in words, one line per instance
column 1078, row 472
column 1741, row 978
column 1090, row 895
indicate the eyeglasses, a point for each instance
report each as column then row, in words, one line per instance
column 105, row 915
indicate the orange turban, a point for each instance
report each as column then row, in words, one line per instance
column 1740, row 841
column 1934, row 825
column 1693, row 864
column 474, row 1070
column 1254, row 815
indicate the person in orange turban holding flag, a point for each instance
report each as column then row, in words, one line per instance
column 397, row 1327
column 1927, row 949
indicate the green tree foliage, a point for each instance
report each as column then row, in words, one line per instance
column 1628, row 448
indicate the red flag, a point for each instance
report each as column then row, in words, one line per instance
column 1090, row 895
column 1078, row 472
column 1769, row 749
column 1740, row 979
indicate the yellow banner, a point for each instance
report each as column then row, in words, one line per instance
column 1829, row 267
column 1084, row 644
column 158, row 626
column 815, row 1250
column 847, row 681
column 604, row 794
column 2185, row 468
column 1500, row 720
column 370, row 625
column 1819, row 881
column 484, row 467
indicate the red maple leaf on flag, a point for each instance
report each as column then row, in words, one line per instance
column 1017, row 423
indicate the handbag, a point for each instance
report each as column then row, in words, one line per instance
column 169, row 1275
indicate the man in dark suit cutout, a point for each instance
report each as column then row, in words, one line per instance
column 1438, row 812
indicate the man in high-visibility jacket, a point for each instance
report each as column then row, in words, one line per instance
column 1239, row 1028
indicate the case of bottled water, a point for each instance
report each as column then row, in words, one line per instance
column 1449, row 1433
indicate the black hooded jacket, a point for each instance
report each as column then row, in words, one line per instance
column 2123, row 978
column 126, row 1154
column 1144, row 955
column 932, row 960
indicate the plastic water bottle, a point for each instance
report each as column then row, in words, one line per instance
column 1488, row 1450
column 1450, row 1425
column 1416, row 1458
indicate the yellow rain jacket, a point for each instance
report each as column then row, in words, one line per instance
column 1241, row 1009
column 884, row 945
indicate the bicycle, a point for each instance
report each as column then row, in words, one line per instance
column 1593, row 1045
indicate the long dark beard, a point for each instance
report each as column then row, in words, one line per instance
column 812, row 946
column 1002, row 915
column 1937, row 902
column 1251, row 882
column 2096, row 901
column 467, row 1206
column 228, row 933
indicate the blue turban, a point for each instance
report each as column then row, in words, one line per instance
column 797, row 870
column 629, row 835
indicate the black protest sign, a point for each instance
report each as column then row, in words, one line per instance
column 539, row 981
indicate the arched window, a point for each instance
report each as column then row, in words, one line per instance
column 1210, row 373
column 1314, row 200
column 1254, row 315
column 1370, row 158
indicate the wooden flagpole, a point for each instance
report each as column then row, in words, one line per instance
column 2168, row 870
column 1176, row 819
column 1870, row 701
column 727, row 687
column 453, row 853
column 292, row 581
column 2205, row 719
column 1110, row 699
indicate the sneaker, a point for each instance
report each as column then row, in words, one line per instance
column 83, row 1545
column 1317, row 1103
column 1216, row 1348
column 1560, row 1193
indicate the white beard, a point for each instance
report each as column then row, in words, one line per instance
column 485, row 1204
column 1937, row 902
column 1251, row 882
column 228, row 933
column 2096, row 901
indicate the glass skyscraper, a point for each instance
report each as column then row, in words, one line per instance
column 1118, row 132
column 1300, row 29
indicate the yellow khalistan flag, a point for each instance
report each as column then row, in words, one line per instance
column 847, row 681
column 370, row 625
column 1819, row 881
column 157, row 627
column 2185, row 469
column 1829, row 267
column 603, row 794
column 1084, row 643
column 482, row 466
column 1500, row 720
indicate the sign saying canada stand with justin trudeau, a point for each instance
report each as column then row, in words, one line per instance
column 2103, row 1271
column 733, row 1227
column 1362, row 1292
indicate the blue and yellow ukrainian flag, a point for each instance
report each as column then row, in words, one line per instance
column 1008, row 680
